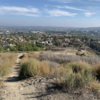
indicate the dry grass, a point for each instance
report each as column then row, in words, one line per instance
column 33, row 68
column 79, row 72
column 64, row 58
column 78, row 75
column 97, row 70
column 7, row 61
column 95, row 87
column 33, row 55
column 72, row 52
column 24, row 58
column 29, row 55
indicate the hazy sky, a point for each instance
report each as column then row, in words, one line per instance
column 67, row 13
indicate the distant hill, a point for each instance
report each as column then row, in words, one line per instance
column 43, row 28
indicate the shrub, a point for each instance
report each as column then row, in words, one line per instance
column 95, row 87
column 97, row 70
column 33, row 68
column 77, row 75
column 26, row 70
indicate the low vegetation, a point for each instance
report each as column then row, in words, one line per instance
column 64, row 58
column 71, row 75
column 97, row 69
column 6, row 62
column 77, row 75
column 33, row 68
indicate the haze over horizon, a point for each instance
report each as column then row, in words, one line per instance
column 59, row 13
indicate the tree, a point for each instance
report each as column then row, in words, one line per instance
column 1, row 48
column 12, row 48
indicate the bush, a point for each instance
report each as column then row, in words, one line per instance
column 77, row 75
column 27, row 70
column 97, row 70
column 34, row 68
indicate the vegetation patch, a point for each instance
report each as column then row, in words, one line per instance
column 33, row 55
column 77, row 75
column 71, row 76
column 64, row 58
column 6, row 62
column 97, row 70
column 33, row 68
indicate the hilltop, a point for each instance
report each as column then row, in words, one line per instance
column 51, row 76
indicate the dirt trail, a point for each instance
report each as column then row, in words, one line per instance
column 13, row 89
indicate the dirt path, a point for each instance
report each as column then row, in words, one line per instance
column 13, row 89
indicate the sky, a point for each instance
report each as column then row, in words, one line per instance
column 59, row 13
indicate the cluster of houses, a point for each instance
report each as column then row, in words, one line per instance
column 71, row 41
column 7, row 40
column 5, row 45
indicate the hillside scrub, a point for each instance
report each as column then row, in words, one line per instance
column 74, row 75
column 33, row 55
column 97, row 70
column 29, row 55
column 77, row 75
column 64, row 58
column 6, row 62
column 70, row 76
column 33, row 68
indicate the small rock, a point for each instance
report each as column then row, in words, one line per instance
column 4, row 91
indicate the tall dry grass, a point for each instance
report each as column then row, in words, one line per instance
column 33, row 68
column 97, row 70
column 24, row 58
column 33, row 55
column 29, row 55
column 6, row 62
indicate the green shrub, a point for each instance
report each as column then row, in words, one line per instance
column 27, row 70
column 77, row 75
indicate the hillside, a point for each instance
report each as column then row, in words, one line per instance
column 52, row 76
